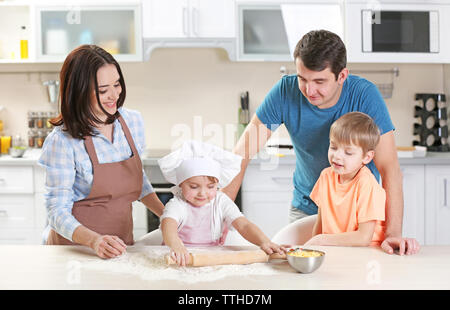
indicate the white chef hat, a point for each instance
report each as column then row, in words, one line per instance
column 196, row 158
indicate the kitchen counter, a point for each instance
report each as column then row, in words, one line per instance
column 151, row 157
column 52, row 267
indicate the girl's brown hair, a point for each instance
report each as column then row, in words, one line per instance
column 78, row 79
column 356, row 128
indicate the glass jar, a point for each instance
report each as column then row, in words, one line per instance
column 32, row 135
column 40, row 120
column 48, row 118
column 41, row 134
column 32, row 116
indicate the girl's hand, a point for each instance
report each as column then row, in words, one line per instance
column 269, row 247
column 106, row 246
column 180, row 255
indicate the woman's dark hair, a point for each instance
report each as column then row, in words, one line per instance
column 319, row 49
column 78, row 79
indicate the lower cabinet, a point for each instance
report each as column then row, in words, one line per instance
column 437, row 211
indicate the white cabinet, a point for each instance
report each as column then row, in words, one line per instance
column 53, row 29
column 189, row 23
column 267, row 196
column 437, row 211
column 188, row 18
column 139, row 219
column 414, row 202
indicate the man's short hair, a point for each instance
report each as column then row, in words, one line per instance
column 356, row 128
column 319, row 49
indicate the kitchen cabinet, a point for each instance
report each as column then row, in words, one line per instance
column 139, row 220
column 188, row 18
column 54, row 29
column 270, row 30
column 414, row 202
column 189, row 23
column 437, row 211
column 267, row 196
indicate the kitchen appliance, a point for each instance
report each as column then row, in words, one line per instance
column 431, row 126
column 382, row 31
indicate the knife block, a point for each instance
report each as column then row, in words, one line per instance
column 431, row 126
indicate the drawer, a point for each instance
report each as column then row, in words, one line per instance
column 277, row 178
column 16, row 211
column 16, row 180
column 39, row 179
column 17, row 236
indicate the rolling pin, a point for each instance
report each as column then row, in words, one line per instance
column 226, row 258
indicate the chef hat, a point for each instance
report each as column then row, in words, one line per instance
column 196, row 158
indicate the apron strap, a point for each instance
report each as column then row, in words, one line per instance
column 127, row 133
column 89, row 144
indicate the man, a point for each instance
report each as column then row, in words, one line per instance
column 307, row 104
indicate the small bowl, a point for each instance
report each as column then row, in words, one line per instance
column 305, row 264
column 17, row 151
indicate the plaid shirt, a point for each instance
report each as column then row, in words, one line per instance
column 69, row 169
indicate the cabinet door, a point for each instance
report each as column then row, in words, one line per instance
column 268, row 210
column 414, row 202
column 437, row 211
column 165, row 19
column 211, row 19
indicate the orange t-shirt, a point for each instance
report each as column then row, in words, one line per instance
column 344, row 206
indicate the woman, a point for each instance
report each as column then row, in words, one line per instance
column 94, row 171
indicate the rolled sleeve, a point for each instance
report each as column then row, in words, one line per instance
column 58, row 160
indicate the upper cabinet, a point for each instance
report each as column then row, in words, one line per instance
column 116, row 28
column 269, row 31
column 189, row 23
column 49, row 30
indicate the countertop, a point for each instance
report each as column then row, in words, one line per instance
column 151, row 157
column 53, row 267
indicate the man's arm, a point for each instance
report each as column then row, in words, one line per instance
column 250, row 143
column 386, row 161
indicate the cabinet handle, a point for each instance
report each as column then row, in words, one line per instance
column 2, row 181
column 195, row 21
column 445, row 192
column 282, row 179
column 185, row 20
column 3, row 213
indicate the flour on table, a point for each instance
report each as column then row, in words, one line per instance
column 149, row 264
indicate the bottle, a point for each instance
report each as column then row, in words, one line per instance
column 23, row 43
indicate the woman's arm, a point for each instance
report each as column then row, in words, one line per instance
column 253, row 234
column 361, row 237
column 179, row 253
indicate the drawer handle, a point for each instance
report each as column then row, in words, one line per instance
column 281, row 179
column 2, row 181
column 445, row 192
column 3, row 213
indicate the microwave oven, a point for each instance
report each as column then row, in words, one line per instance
column 398, row 32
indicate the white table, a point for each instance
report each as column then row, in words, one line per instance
column 48, row 267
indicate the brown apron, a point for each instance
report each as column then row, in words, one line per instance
column 107, row 210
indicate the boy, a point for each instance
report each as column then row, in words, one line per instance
column 351, row 203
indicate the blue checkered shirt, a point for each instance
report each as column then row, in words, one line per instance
column 69, row 169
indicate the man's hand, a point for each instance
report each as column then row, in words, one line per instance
column 407, row 246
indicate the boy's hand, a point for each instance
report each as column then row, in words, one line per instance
column 180, row 255
column 269, row 247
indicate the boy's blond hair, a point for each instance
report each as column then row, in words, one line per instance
column 356, row 128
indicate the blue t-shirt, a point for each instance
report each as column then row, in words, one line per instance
column 309, row 127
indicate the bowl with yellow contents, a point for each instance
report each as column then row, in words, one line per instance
column 305, row 260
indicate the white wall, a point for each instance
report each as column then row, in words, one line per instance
column 177, row 85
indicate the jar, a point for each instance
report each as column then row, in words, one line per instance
column 32, row 119
column 41, row 135
column 48, row 118
column 40, row 120
column 32, row 135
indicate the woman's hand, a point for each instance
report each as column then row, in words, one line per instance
column 106, row 246
column 180, row 255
